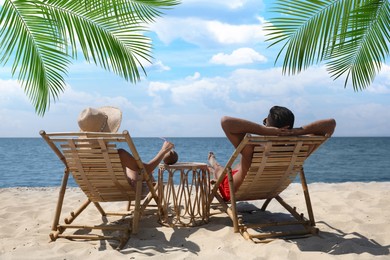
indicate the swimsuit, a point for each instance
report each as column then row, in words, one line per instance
column 224, row 187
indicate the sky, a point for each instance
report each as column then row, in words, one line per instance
column 210, row 60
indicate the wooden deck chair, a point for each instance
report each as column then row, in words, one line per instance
column 93, row 161
column 275, row 163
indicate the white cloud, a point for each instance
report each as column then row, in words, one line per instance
column 235, row 34
column 243, row 90
column 353, row 120
column 197, row 91
column 238, row 57
column 207, row 32
column 271, row 82
column 156, row 87
column 312, row 95
column 193, row 77
column 245, row 86
column 156, row 65
column 11, row 90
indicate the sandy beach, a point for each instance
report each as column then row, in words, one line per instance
column 353, row 218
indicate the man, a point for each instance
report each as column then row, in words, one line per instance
column 280, row 121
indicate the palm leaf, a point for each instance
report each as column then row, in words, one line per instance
column 362, row 56
column 350, row 35
column 38, row 60
column 308, row 27
column 42, row 36
column 131, row 10
column 102, row 40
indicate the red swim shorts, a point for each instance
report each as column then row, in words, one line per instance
column 224, row 187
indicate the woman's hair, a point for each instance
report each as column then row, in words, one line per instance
column 281, row 116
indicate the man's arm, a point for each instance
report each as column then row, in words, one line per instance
column 236, row 128
column 324, row 127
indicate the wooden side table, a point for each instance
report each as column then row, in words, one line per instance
column 186, row 203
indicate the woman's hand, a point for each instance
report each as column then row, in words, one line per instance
column 167, row 146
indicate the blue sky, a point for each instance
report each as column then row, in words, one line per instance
column 210, row 60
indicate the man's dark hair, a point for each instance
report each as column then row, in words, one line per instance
column 281, row 116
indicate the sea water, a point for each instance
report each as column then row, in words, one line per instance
column 30, row 162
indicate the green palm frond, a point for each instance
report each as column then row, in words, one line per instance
column 350, row 36
column 135, row 10
column 115, row 47
column 39, row 61
column 362, row 56
column 308, row 27
column 43, row 36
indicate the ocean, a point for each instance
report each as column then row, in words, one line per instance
column 29, row 162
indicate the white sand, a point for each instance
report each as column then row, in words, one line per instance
column 353, row 218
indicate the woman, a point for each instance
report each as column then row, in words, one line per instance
column 108, row 119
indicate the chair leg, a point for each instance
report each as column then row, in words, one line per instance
column 137, row 213
column 289, row 208
column 128, row 206
column 74, row 214
column 307, row 198
column 265, row 204
column 101, row 210
column 53, row 235
column 233, row 206
column 148, row 199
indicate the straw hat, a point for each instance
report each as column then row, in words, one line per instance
column 103, row 119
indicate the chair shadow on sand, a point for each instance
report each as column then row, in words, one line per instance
column 338, row 242
column 165, row 239
column 153, row 239
column 334, row 242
